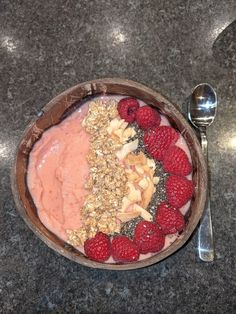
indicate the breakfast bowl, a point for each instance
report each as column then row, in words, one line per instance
column 54, row 114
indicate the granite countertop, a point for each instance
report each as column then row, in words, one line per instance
column 47, row 46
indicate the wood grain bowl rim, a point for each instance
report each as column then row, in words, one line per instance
column 65, row 100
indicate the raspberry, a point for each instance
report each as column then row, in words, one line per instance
column 147, row 118
column 98, row 248
column 124, row 250
column 178, row 190
column 176, row 161
column 158, row 140
column 127, row 108
column 169, row 219
column 148, row 237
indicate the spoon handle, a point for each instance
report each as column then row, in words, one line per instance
column 205, row 233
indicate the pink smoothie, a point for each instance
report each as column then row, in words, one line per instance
column 58, row 170
column 57, row 173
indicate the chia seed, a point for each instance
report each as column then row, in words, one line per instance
column 139, row 135
column 128, row 227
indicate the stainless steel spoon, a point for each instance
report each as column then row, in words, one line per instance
column 202, row 112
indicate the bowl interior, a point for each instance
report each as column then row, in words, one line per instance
column 60, row 107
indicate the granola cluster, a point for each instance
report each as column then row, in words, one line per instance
column 107, row 179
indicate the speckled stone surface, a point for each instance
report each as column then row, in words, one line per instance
column 48, row 46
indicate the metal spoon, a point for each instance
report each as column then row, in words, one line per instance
column 202, row 112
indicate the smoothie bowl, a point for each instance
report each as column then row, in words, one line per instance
column 110, row 175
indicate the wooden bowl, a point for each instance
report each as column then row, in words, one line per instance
column 60, row 107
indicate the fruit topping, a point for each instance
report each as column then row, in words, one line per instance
column 124, row 250
column 178, row 190
column 147, row 117
column 176, row 161
column 98, row 248
column 127, row 108
column 158, row 140
column 169, row 219
column 148, row 237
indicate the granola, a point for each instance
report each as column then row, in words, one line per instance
column 107, row 179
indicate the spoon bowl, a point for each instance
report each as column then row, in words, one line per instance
column 202, row 110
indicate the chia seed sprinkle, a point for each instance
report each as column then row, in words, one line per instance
column 128, row 227
column 139, row 135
